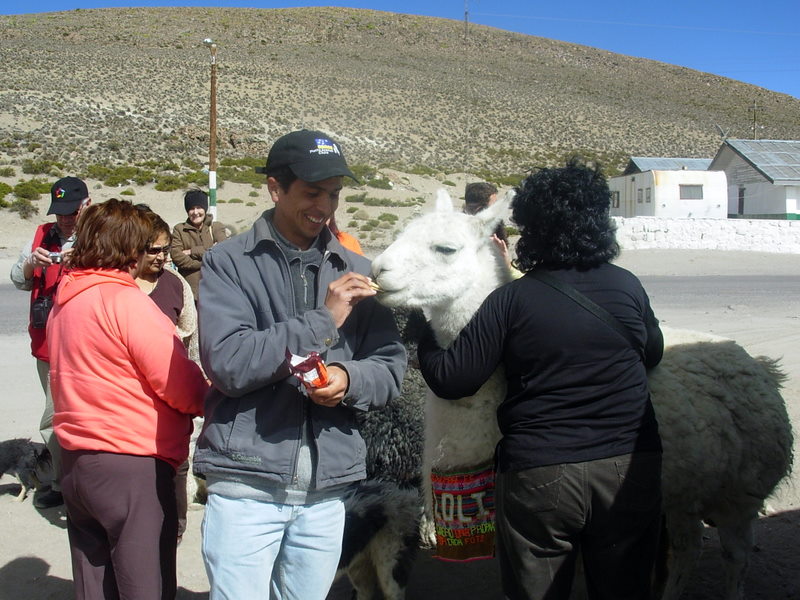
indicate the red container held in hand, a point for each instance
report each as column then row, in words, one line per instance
column 308, row 369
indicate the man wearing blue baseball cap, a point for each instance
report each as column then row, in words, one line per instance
column 39, row 270
column 279, row 455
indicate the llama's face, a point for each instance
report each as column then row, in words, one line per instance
column 439, row 258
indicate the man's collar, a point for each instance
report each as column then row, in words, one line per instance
column 261, row 232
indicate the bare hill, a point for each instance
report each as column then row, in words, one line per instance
column 124, row 85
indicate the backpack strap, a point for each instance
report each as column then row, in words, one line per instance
column 594, row 308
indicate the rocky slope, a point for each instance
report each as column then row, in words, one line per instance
column 126, row 85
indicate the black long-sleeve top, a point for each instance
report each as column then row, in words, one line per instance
column 577, row 389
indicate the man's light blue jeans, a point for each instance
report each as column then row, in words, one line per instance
column 251, row 546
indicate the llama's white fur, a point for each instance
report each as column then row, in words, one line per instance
column 726, row 434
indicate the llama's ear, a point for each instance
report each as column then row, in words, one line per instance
column 493, row 214
column 443, row 201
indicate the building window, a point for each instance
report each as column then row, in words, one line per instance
column 614, row 199
column 691, row 192
column 647, row 195
column 639, row 196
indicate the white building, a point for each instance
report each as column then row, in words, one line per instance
column 669, row 187
column 763, row 178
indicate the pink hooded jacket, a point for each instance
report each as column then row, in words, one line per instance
column 120, row 377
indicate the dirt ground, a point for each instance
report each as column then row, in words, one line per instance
column 34, row 553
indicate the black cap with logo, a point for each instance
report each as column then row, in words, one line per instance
column 66, row 196
column 311, row 155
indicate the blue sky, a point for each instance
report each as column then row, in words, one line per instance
column 755, row 42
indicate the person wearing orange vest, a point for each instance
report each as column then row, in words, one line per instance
column 345, row 239
column 39, row 270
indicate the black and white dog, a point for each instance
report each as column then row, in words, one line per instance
column 28, row 461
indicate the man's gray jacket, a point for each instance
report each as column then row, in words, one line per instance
column 255, row 411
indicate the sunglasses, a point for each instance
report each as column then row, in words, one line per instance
column 156, row 250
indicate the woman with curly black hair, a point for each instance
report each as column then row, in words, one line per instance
column 579, row 463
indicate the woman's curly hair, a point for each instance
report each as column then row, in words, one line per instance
column 562, row 215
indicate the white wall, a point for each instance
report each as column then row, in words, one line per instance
column 668, row 203
column 756, row 235
column 665, row 198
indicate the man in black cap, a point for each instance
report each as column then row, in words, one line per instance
column 279, row 455
column 38, row 271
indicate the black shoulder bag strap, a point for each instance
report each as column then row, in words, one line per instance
column 594, row 308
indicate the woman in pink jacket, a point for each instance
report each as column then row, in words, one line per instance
column 124, row 396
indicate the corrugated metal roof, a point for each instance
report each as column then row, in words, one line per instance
column 640, row 164
column 778, row 160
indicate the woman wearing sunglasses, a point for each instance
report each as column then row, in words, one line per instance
column 173, row 295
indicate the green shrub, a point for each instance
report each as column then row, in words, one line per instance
column 511, row 231
column 24, row 207
column 352, row 224
column 168, row 183
column 253, row 194
column 381, row 184
column 448, row 182
column 422, row 170
column 197, row 178
column 143, row 177
column 31, row 189
column 510, row 180
column 96, row 171
column 248, row 161
column 363, row 172
column 7, row 172
column 352, row 209
column 149, row 164
column 194, row 165
column 386, row 202
column 240, row 175
column 388, row 217
column 367, row 227
column 250, row 204
column 127, row 192
column 42, row 166
column 235, row 201
column 356, row 197
column 119, row 176
column 5, row 190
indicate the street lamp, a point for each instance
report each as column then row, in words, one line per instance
column 212, row 145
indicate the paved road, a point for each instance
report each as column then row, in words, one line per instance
column 14, row 313
column 764, row 291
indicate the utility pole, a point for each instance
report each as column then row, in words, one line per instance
column 467, row 113
column 755, row 108
column 212, row 146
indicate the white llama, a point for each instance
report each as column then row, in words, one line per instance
column 726, row 434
